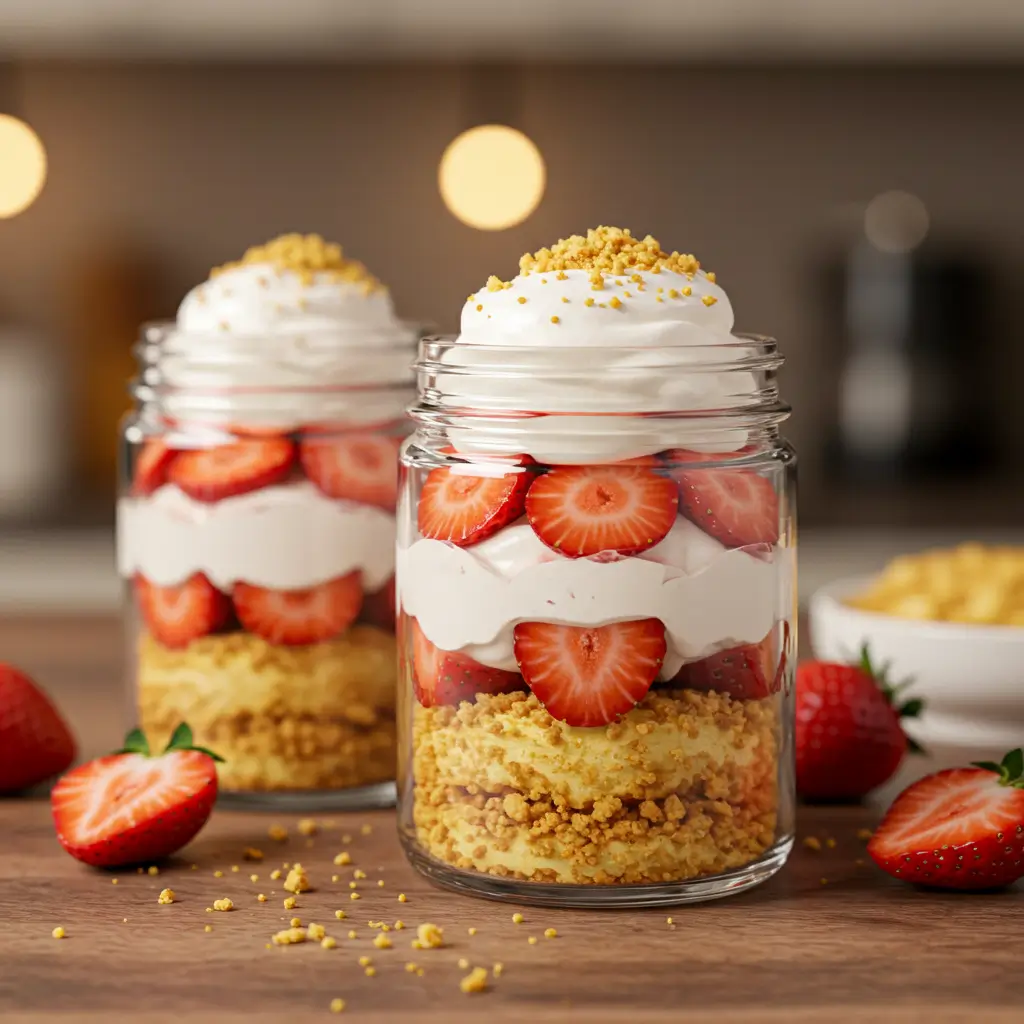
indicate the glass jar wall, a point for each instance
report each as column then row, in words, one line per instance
column 597, row 629
column 256, row 532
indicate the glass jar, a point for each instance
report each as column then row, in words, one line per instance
column 256, row 532
column 597, row 623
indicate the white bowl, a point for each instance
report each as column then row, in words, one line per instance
column 970, row 677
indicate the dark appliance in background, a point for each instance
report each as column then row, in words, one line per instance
column 911, row 402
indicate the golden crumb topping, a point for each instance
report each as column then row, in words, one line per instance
column 475, row 981
column 166, row 896
column 307, row 256
column 603, row 250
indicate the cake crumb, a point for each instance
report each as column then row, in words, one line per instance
column 366, row 829
column 359, row 873
column 365, row 961
column 430, row 936
column 812, row 843
column 166, row 896
column 475, row 981
column 550, row 933
column 153, row 870
column 410, row 966
column 296, row 922
column 328, row 942
column 532, row 940
column 59, row 932
column 340, row 915
column 251, row 853
column 218, row 873
column 353, row 895
column 224, row 904
column 278, row 833
column 289, row 903
column 234, row 868
column 498, row 968
column 463, row 962
column 380, row 883
column 297, row 880
column 337, row 1005
column 113, row 881
column 254, row 878
column 864, row 833
column 289, row 936
column 207, row 927
column 668, row 920
column 402, row 898
column 382, row 942
column 307, row 827
column 517, row 918
column 370, row 971
column 343, row 858
column 275, row 874
column 830, row 843
column 472, row 931
column 262, row 898
column 352, row 934
column 316, row 931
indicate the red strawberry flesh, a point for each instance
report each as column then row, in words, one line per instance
column 582, row 511
column 735, row 506
column 127, row 808
column 151, row 466
column 959, row 829
column 177, row 615
column 747, row 672
column 464, row 509
column 590, row 675
column 359, row 467
column 297, row 617
column 248, row 464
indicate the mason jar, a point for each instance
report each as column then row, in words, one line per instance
column 597, row 623
column 256, row 534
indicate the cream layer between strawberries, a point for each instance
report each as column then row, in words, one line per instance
column 286, row 537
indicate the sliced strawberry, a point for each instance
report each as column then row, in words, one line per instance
column 590, row 675
column 587, row 510
column 178, row 615
column 735, row 506
column 211, row 474
column 464, row 509
column 359, row 467
column 448, row 677
column 379, row 607
column 130, row 807
column 151, row 466
column 962, row 828
column 35, row 742
column 747, row 672
column 296, row 617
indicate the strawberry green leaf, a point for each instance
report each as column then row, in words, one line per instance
column 912, row 708
column 208, row 753
column 135, row 743
column 181, row 739
column 1013, row 766
column 989, row 766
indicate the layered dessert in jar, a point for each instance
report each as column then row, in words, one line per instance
column 596, row 587
column 256, row 527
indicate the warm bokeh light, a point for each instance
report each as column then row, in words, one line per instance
column 22, row 166
column 491, row 177
column 896, row 222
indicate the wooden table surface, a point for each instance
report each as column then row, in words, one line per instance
column 828, row 939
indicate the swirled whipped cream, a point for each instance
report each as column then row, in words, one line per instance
column 597, row 326
column 292, row 315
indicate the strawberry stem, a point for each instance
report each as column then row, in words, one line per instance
column 908, row 709
column 181, row 739
column 1010, row 770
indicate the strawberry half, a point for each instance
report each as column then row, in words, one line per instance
column 747, row 672
column 590, row 675
column 296, row 617
column 151, row 466
column 588, row 510
column 379, row 607
column 447, row 677
column 735, row 506
column 962, row 828
column 178, row 615
column 848, row 737
column 464, row 509
column 35, row 742
column 130, row 806
column 244, row 465
column 357, row 467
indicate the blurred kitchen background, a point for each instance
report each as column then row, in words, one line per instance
column 853, row 171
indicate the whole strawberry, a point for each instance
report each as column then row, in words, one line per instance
column 132, row 806
column 962, row 828
column 35, row 743
column 848, row 739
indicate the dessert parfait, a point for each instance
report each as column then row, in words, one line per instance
column 256, row 526
column 596, row 588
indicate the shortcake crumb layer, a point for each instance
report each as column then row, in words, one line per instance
column 670, row 743
column 314, row 717
column 690, row 789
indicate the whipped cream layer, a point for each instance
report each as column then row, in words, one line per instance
column 595, row 377
column 264, row 342
column 285, row 537
column 710, row 598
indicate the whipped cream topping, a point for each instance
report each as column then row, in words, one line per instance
column 285, row 537
column 591, row 340
column 709, row 598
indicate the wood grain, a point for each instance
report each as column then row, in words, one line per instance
column 857, row 947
